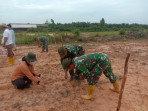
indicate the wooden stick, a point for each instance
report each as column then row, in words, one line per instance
column 123, row 81
column 54, row 36
column 62, row 40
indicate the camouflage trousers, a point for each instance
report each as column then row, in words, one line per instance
column 45, row 45
column 78, row 76
column 96, row 72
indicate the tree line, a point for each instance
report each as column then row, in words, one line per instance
column 101, row 26
column 93, row 27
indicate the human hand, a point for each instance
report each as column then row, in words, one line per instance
column 38, row 82
column 39, row 75
column 66, row 76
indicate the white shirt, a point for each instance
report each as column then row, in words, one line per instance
column 7, row 34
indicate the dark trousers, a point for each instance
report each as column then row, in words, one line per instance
column 71, row 73
column 22, row 83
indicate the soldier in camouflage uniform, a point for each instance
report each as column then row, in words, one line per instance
column 43, row 41
column 71, row 51
column 92, row 66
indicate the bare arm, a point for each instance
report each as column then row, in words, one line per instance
column 27, row 72
column 5, row 40
column 66, row 76
column 32, row 70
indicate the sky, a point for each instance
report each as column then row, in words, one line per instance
column 68, row 11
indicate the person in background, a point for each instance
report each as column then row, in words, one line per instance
column 43, row 41
column 7, row 43
column 92, row 66
column 24, row 73
column 71, row 51
column 13, row 36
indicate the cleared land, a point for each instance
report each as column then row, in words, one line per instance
column 56, row 94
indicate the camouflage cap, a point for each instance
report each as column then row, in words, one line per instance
column 61, row 51
column 31, row 57
column 66, row 62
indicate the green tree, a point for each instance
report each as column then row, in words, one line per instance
column 76, row 33
column 102, row 22
column 53, row 24
column 46, row 22
column 52, row 21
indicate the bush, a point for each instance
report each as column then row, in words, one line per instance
column 96, row 35
column 138, row 34
column 134, row 29
column 32, row 30
column 141, row 34
column 29, row 39
column 76, row 33
column 122, row 32
column 51, row 39
column 25, row 39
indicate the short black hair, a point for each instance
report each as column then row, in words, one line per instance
column 9, row 25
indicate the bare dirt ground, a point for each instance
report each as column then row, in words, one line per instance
column 56, row 94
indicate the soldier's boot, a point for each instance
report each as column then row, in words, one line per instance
column 116, row 87
column 9, row 60
column 91, row 92
column 13, row 60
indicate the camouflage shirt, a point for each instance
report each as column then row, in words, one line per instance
column 42, row 38
column 73, row 51
column 86, row 63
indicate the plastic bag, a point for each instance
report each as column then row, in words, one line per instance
column 4, row 52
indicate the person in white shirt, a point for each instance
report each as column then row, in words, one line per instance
column 13, row 36
column 7, row 43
